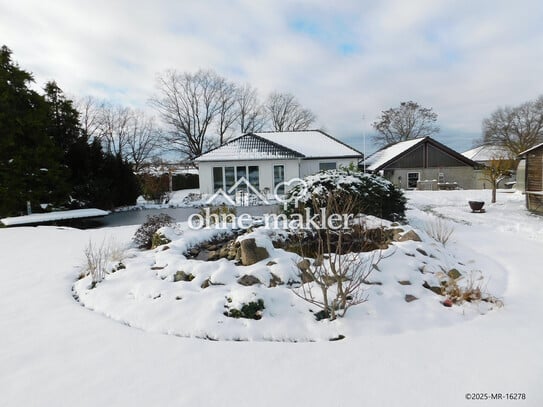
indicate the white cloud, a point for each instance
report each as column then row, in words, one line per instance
column 342, row 60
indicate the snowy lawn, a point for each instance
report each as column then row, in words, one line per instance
column 55, row 352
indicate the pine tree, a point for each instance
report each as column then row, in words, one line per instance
column 30, row 162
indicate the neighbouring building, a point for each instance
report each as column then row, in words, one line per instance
column 269, row 159
column 423, row 163
column 484, row 155
column 534, row 178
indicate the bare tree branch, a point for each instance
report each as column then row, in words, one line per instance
column 515, row 128
column 406, row 122
column 286, row 113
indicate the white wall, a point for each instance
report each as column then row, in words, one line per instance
column 265, row 172
column 309, row 167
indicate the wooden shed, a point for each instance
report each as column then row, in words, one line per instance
column 534, row 178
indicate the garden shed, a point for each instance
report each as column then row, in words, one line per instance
column 534, row 178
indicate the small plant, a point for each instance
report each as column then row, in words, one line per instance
column 250, row 310
column 440, row 230
column 144, row 235
column 98, row 259
column 472, row 290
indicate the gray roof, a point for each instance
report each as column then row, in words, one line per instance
column 281, row 145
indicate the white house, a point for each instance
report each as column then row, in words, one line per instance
column 269, row 159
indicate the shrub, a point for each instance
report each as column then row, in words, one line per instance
column 144, row 235
column 370, row 194
column 250, row 310
column 222, row 213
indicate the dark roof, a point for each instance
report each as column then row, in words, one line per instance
column 248, row 147
column 392, row 152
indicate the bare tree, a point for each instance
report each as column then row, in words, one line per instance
column 89, row 109
column 406, row 122
column 515, row 128
column 144, row 139
column 496, row 170
column 115, row 124
column 252, row 116
column 286, row 113
column 188, row 104
column 227, row 113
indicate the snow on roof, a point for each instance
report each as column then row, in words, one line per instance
column 386, row 154
column 53, row 216
column 530, row 149
column 311, row 143
column 486, row 153
column 287, row 144
column 248, row 147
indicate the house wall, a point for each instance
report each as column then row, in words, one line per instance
column 265, row 172
column 463, row 176
column 534, row 180
column 311, row 166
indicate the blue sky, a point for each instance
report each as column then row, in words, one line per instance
column 345, row 60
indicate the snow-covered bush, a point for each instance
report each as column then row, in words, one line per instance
column 144, row 235
column 371, row 194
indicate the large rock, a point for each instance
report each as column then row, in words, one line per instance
column 251, row 253
column 409, row 235
column 248, row 280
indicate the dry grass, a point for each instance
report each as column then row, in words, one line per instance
column 440, row 230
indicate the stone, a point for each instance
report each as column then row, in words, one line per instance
column 447, row 303
column 275, row 281
column 409, row 235
column 306, row 277
column 182, row 276
column 404, row 282
column 422, row 251
column 410, row 298
column 270, row 263
column 435, row 289
column 251, row 253
column 454, row 274
column 206, row 283
column 304, row 265
column 213, row 255
column 248, row 280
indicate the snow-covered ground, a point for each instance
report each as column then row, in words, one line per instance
column 55, row 352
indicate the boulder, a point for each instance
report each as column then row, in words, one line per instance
column 275, row 281
column 410, row 298
column 409, row 235
column 251, row 253
column 454, row 274
column 248, row 280
column 182, row 276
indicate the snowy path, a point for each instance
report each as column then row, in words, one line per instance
column 55, row 352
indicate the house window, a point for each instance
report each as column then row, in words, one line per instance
column 412, row 179
column 217, row 178
column 241, row 172
column 327, row 166
column 229, row 177
column 278, row 178
column 254, row 178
